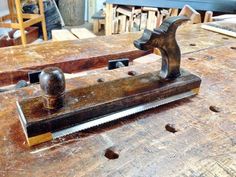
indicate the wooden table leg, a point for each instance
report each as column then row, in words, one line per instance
column 159, row 19
column 44, row 28
column 20, row 21
column 174, row 12
column 11, row 5
column 99, row 25
column 131, row 20
column 95, row 26
column 208, row 16
column 109, row 17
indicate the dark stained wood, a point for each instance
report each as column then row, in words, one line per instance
column 204, row 144
column 81, row 55
column 88, row 103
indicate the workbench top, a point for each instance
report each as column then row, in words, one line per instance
column 140, row 145
column 80, row 55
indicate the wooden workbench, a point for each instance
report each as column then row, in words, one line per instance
column 80, row 55
column 204, row 144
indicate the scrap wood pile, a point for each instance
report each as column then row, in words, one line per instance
column 130, row 19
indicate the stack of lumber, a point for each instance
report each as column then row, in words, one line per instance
column 131, row 18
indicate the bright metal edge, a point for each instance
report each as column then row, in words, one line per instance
column 22, row 118
column 121, row 114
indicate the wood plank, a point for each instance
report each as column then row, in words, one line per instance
column 5, row 17
column 109, row 18
column 149, row 9
column 143, row 22
column 82, row 33
column 11, row 7
column 160, row 17
column 9, row 25
column 223, row 17
column 122, row 22
column 62, row 35
column 115, row 26
column 43, row 20
column 124, row 11
column 227, row 27
column 152, row 20
column 32, row 21
column 28, row 16
column 95, row 26
column 191, row 13
column 21, row 23
column 137, row 22
column 129, row 12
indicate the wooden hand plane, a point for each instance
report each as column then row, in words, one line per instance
column 58, row 112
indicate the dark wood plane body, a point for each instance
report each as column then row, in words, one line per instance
column 85, row 104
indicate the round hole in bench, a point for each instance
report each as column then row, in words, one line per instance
column 192, row 44
column 171, row 128
column 111, row 154
column 100, row 80
column 225, row 38
column 214, row 109
column 191, row 58
column 234, row 48
column 132, row 73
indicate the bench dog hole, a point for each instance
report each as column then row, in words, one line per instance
column 171, row 128
column 192, row 44
column 214, row 109
column 234, row 48
column 100, row 80
column 190, row 58
column 111, row 154
column 132, row 73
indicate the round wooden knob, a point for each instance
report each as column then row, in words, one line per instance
column 52, row 83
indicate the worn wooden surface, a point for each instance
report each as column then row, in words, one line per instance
column 204, row 144
column 70, row 56
column 80, row 55
column 84, row 104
